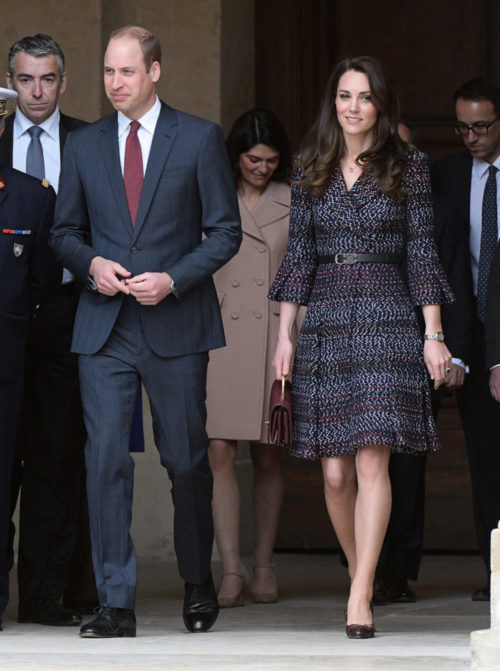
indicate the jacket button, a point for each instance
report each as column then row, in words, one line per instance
column 258, row 315
column 134, row 250
column 235, row 315
column 261, row 250
column 235, row 283
column 259, row 282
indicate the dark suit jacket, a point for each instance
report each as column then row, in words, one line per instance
column 492, row 321
column 66, row 125
column 188, row 193
column 27, row 268
column 451, row 181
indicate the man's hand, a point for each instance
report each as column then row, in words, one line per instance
column 456, row 378
column 150, row 288
column 495, row 383
column 109, row 276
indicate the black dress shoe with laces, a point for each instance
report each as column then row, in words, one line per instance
column 200, row 606
column 49, row 612
column 110, row 623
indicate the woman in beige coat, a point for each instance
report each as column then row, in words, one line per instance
column 240, row 375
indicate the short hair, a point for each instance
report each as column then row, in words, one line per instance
column 38, row 45
column 258, row 126
column 149, row 43
column 480, row 89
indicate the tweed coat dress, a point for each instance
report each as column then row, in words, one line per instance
column 240, row 375
column 359, row 377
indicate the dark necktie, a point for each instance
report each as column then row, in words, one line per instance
column 133, row 174
column 34, row 156
column 489, row 237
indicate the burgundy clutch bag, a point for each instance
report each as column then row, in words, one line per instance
column 279, row 430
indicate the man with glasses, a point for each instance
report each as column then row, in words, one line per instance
column 465, row 190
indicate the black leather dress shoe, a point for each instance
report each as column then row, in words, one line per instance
column 401, row 592
column 1, row 624
column 49, row 612
column 110, row 623
column 481, row 594
column 200, row 606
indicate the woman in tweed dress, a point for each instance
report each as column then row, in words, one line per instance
column 361, row 200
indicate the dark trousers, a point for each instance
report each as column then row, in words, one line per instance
column 480, row 415
column 402, row 549
column 10, row 405
column 49, row 466
column 176, row 388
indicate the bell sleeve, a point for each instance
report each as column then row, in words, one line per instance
column 427, row 281
column 295, row 277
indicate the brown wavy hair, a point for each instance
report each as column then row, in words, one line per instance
column 324, row 145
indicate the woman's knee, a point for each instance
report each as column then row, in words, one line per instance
column 222, row 454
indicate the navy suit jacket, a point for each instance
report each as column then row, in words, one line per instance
column 187, row 225
column 451, row 183
column 27, row 269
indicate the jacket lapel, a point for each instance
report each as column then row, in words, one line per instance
column 6, row 141
column 111, row 158
column 163, row 141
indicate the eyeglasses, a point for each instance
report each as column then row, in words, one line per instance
column 479, row 128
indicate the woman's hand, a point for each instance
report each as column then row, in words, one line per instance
column 437, row 358
column 282, row 361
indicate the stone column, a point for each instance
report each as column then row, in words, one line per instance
column 485, row 644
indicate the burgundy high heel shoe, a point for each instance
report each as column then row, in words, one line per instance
column 360, row 630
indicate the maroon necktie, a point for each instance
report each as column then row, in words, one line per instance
column 133, row 175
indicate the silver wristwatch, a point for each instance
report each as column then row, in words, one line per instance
column 173, row 288
column 439, row 336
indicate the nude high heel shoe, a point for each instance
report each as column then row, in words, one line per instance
column 237, row 599
column 270, row 595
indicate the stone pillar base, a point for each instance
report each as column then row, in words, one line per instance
column 485, row 650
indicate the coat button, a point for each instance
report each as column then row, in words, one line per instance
column 134, row 250
column 261, row 250
column 235, row 315
column 259, row 282
column 235, row 283
column 258, row 315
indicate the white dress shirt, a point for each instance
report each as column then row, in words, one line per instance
column 49, row 141
column 478, row 182
column 145, row 132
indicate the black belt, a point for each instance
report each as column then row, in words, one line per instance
column 349, row 258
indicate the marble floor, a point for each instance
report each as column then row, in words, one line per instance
column 304, row 630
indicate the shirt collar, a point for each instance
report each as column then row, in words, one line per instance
column 50, row 125
column 148, row 121
column 480, row 167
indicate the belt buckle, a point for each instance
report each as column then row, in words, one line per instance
column 342, row 259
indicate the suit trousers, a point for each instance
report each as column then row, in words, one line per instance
column 49, row 465
column 10, row 406
column 402, row 549
column 480, row 415
column 176, row 388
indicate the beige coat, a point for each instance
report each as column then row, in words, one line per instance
column 240, row 375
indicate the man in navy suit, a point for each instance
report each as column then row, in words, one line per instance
column 146, row 213
column 49, row 464
column 27, row 274
column 459, row 185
